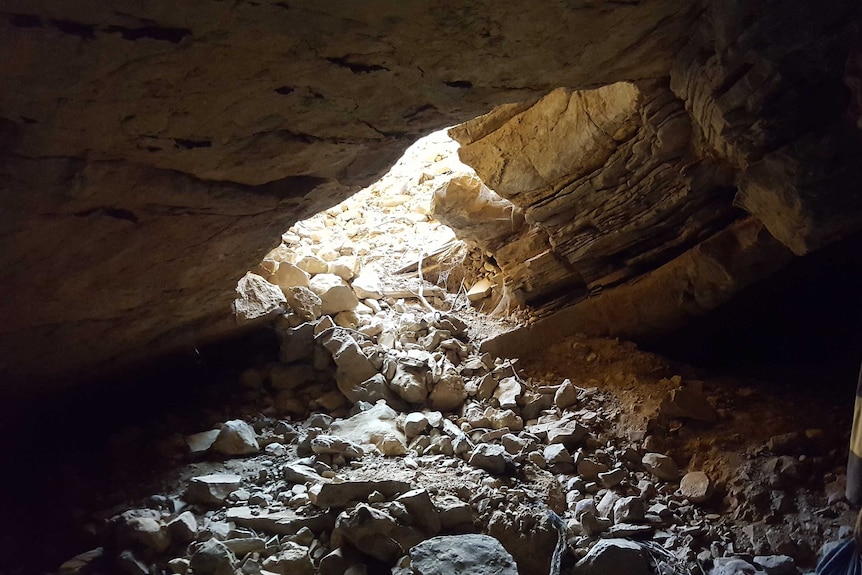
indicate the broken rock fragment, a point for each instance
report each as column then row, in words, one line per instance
column 661, row 466
column 614, row 556
column 695, row 486
column 334, row 293
column 375, row 532
column 471, row 553
column 490, row 457
column 236, row 438
column 213, row 558
column 212, row 489
column 257, row 298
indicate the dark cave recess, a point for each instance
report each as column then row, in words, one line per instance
column 805, row 321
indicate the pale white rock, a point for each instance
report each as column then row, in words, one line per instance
column 507, row 392
column 211, row 489
column 377, row 426
column 334, row 293
column 236, row 438
column 353, row 366
column 449, row 393
column 201, row 442
column 490, row 457
column 287, row 276
column 347, row 319
column 257, row 298
column 346, row 266
column 291, row 559
column 183, row 527
column 480, row 290
column 414, row 424
column 500, row 418
column 696, row 486
column 367, row 285
column 304, row 302
column 312, row 265
column 566, row 395
column 661, row 466
column 327, row 254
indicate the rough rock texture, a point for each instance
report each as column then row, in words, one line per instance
column 150, row 153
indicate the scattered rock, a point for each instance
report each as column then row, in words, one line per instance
column 696, row 487
column 566, row 395
column 661, row 466
column 614, row 556
column 489, row 457
column 292, row 559
column 471, row 553
column 213, row 558
column 212, row 489
column 258, row 299
column 236, row 438
column 334, row 293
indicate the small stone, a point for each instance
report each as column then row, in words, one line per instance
column 312, row 265
column 453, row 512
column 614, row 556
column 733, row 566
column 471, row 553
column 212, row 489
column 304, row 302
column 507, row 393
column 183, row 528
column 287, row 275
column 82, row 562
column 687, row 403
column 292, row 559
column 367, row 285
column 334, row 293
column 236, row 438
column 489, row 457
column 566, row 395
column 696, row 487
column 662, row 466
column 257, row 298
column 213, row 558
column 201, row 442
column 423, row 513
column 558, row 458
column 414, row 424
column 179, row 566
column 448, row 394
column 590, row 468
column 776, row 564
column 629, row 510
column 613, row 477
column 328, row 444
column 480, row 290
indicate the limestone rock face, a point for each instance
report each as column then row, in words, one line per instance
column 152, row 153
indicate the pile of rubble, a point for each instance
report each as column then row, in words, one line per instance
column 392, row 444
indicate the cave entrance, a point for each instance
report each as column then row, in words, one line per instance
column 383, row 251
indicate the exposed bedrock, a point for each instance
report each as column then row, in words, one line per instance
column 151, row 153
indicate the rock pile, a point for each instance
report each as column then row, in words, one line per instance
column 372, row 448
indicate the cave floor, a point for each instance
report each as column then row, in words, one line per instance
column 773, row 459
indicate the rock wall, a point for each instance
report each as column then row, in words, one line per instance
column 151, row 152
column 756, row 126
